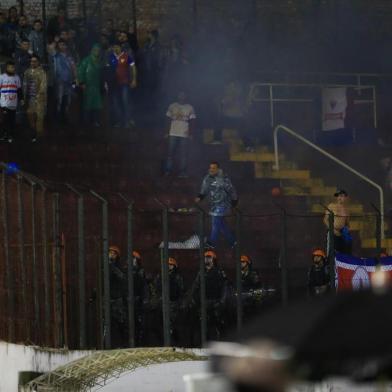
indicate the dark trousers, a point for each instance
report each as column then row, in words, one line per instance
column 9, row 121
column 340, row 245
column 178, row 146
column 120, row 105
column 218, row 225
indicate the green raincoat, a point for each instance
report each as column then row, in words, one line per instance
column 90, row 74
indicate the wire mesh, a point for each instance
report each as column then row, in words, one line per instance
column 41, row 286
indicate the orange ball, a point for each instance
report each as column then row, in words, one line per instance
column 275, row 191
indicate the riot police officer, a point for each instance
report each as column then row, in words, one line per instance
column 141, row 296
column 250, row 287
column 318, row 275
column 216, row 294
column 118, row 295
column 176, row 295
column 249, row 277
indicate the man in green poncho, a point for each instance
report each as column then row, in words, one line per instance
column 90, row 81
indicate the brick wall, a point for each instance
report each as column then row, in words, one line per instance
column 286, row 19
column 33, row 8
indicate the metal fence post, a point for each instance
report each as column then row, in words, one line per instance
column 331, row 248
column 238, row 270
column 21, row 244
column 283, row 258
column 44, row 235
column 130, row 277
column 81, row 268
column 165, row 279
column 106, row 278
column 378, row 230
column 36, row 323
column 8, row 270
column 57, row 271
column 203, row 300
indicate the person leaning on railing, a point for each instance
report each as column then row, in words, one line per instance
column 341, row 233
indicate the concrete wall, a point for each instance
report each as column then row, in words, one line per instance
column 164, row 377
column 294, row 17
column 17, row 358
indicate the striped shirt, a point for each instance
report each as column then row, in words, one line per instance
column 9, row 86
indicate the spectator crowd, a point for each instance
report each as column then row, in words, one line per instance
column 51, row 68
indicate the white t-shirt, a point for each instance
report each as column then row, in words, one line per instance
column 9, row 86
column 180, row 115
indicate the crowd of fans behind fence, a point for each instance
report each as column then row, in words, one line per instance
column 47, row 67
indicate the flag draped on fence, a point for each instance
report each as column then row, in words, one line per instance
column 354, row 273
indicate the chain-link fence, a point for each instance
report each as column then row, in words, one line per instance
column 60, row 289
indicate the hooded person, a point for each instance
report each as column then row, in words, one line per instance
column 90, row 81
column 35, row 95
column 222, row 196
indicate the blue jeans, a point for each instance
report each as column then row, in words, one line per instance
column 179, row 145
column 218, row 224
column 121, row 105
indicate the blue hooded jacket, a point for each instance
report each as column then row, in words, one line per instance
column 220, row 192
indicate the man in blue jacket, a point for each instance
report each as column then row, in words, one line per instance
column 222, row 196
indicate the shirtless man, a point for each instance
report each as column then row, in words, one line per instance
column 342, row 241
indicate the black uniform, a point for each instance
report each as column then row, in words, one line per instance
column 250, row 282
column 176, row 292
column 118, row 294
column 216, row 296
column 318, row 279
column 119, row 300
column 141, row 296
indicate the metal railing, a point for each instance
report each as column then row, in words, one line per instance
column 272, row 99
column 334, row 159
column 326, row 77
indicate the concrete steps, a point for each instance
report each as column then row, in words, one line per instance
column 298, row 183
column 257, row 156
column 354, row 209
column 283, row 174
column 309, row 191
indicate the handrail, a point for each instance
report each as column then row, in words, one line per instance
column 333, row 158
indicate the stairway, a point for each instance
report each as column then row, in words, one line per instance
column 297, row 182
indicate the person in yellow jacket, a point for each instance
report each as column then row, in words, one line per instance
column 35, row 98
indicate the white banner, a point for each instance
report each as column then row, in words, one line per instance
column 334, row 108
